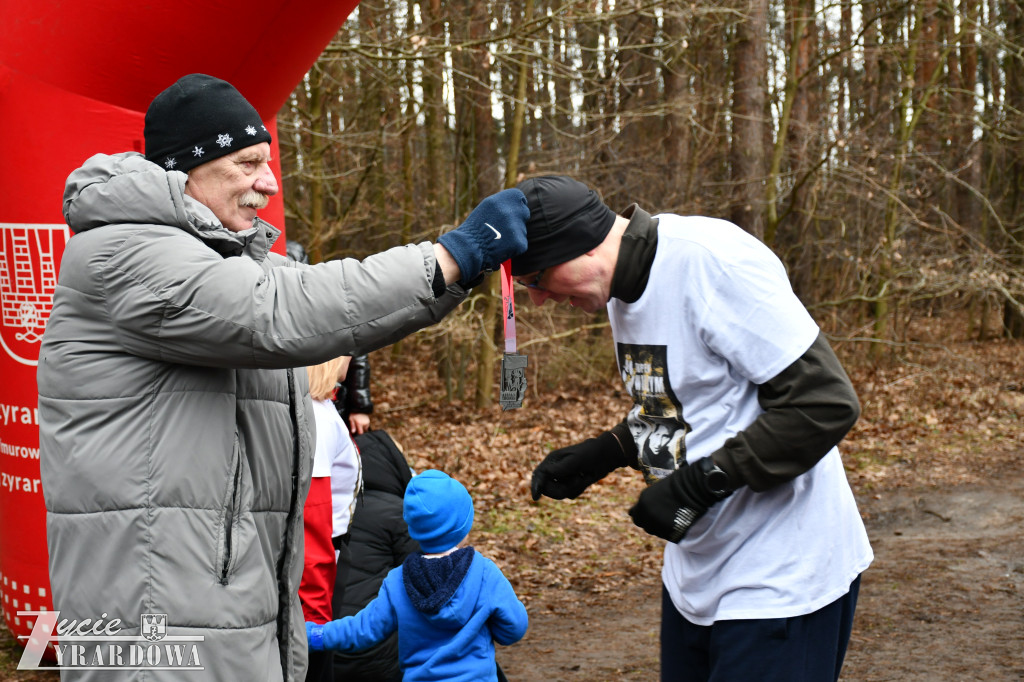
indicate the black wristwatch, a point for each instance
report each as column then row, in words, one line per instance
column 716, row 479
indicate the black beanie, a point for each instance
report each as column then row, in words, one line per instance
column 567, row 219
column 198, row 119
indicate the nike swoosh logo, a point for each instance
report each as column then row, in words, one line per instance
column 497, row 235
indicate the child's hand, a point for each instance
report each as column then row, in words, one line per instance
column 315, row 635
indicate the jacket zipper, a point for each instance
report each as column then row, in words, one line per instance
column 286, row 594
column 229, row 522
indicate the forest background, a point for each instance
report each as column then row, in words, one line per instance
column 874, row 145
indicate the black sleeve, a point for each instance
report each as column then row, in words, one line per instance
column 438, row 286
column 401, row 543
column 808, row 408
column 404, row 546
column 357, row 386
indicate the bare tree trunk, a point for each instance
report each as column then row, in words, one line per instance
column 927, row 63
column 965, row 157
column 967, row 206
column 435, row 110
column 885, row 264
column 1013, row 317
column 315, row 160
column 748, row 113
column 870, row 83
column 789, row 98
column 515, row 137
column 844, row 85
column 486, row 181
column 677, row 107
column 373, row 115
column 595, row 74
column 803, row 131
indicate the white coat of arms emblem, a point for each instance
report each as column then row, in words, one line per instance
column 29, row 256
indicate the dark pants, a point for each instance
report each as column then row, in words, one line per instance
column 807, row 648
column 340, row 543
column 321, row 668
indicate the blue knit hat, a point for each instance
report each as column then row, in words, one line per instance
column 438, row 510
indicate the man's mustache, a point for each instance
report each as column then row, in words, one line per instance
column 254, row 199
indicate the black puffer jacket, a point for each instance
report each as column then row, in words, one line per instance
column 379, row 541
column 353, row 395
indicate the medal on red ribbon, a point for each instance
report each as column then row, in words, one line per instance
column 513, row 365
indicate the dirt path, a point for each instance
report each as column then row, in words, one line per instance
column 943, row 600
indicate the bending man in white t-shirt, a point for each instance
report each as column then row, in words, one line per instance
column 765, row 545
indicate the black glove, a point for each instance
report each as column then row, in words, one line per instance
column 567, row 472
column 669, row 507
column 494, row 232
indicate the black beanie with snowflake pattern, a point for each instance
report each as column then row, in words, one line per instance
column 198, row 119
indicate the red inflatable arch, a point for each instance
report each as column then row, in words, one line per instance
column 75, row 79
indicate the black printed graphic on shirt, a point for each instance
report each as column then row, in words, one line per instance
column 656, row 420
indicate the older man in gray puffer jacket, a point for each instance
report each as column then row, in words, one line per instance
column 175, row 437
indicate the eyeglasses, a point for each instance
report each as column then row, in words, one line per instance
column 535, row 284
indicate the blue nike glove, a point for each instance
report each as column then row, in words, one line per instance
column 494, row 232
column 315, row 635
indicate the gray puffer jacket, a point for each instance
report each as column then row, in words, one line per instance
column 176, row 441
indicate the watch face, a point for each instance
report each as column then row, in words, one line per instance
column 718, row 480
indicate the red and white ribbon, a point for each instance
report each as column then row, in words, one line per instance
column 508, row 307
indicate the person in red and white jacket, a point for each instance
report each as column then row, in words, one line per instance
column 327, row 510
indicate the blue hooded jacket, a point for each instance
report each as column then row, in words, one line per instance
column 448, row 611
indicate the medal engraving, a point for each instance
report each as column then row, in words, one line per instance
column 513, row 381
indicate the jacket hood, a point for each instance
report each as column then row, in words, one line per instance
column 445, row 590
column 127, row 189
column 385, row 468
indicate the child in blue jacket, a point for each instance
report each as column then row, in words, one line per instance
column 448, row 604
